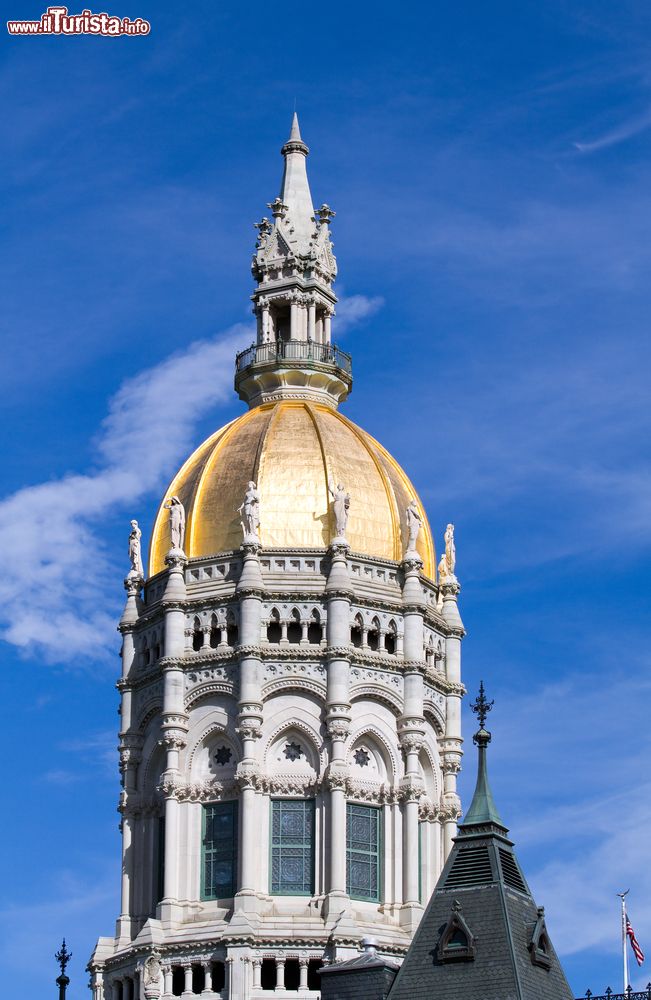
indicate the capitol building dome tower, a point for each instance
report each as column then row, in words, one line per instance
column 290, row 691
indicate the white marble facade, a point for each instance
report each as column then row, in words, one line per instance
column 290, row 718
column 287, row 688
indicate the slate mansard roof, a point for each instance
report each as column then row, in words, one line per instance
column 482, row 937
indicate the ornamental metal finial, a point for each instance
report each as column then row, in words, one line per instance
column 63, row 956
column 481, row 707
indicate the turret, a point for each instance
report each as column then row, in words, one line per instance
column 294, row 267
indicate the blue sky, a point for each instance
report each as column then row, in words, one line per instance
column 489, row 165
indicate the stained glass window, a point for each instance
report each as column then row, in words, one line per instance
column 363, row 852
column 219, row 850
column 292, row 847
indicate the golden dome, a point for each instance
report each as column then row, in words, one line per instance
column 292, row 450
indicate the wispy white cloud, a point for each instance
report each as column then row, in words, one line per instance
column 621, row 133
column 353, row 309
column 51, row 602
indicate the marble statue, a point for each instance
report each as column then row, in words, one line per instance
column 444, row 573
column 414, row 524
column 250, row 511
column 340, row 506
column 135, row 554
column 177, row 522
column 450, row 550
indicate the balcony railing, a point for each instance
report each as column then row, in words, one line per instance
column 294, row 350
column 628, row 994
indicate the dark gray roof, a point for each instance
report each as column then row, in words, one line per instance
column 482, row 937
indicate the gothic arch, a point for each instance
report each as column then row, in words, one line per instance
column 213, row 729
column 375, row 692
column 313, row 737
column 375, row 735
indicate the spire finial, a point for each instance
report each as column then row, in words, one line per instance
column 482, row 808
column 63, row 956
column 295, row 142
column 481, row 707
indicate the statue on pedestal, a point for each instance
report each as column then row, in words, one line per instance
column 250, row 511
column 450, row 550
column 177, row 522
column 135, row 554
column 448, row 560
column 414, row 524
column 340, row 507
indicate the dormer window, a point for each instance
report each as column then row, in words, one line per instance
column 457, row 943
column 539, row 947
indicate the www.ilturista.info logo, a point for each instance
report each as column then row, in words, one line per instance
column 57, row 21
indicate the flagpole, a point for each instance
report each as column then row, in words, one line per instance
column 622, row 896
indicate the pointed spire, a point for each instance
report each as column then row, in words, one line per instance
column 295, row 139
column 482, row 809
column 295, row 189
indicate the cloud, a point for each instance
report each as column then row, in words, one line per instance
column 51, row 602
column 353, row 309
column 620, row 134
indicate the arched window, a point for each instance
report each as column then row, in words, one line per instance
column 357, row 631
column 390, row 637
column 294, row 630
column 197, row 635
column 314, row 628
column 232, row 631
column 274, row 630
column 146, row 652
column 374, row 634
column 214, row 632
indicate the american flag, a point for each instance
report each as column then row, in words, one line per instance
column 637, row 951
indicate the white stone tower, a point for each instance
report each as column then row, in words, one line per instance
column 290, row 692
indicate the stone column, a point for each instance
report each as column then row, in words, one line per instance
column 174, row 727
column 411, row 732
column 257, row 973
column 280, row 974
column 250, row 589
column 187, row 984
column 207, row 975
column 311, row 320
column 130, row 746
column 303, row 966
column 293, row 320
column 338, row 592
column 327, row 327
column 263, row 304
column 451, row 745
column 167, row 981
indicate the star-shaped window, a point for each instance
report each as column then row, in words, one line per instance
column 362, row 757
column 223, row 755
column 293, row 751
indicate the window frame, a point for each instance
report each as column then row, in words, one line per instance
column 233, row 806
column 311, row 805
column 378, row 813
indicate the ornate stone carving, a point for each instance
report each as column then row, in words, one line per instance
column 338, row 728
column 152, row 976
column 336, row 776
column 411, row 789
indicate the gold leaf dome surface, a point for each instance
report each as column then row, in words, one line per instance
column 292, row 450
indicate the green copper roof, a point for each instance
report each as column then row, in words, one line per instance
column 482, row 808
